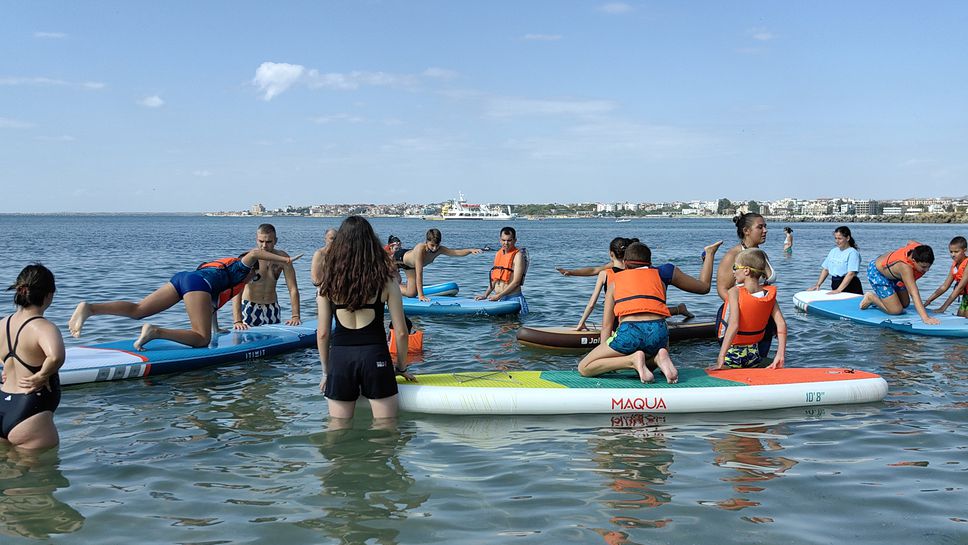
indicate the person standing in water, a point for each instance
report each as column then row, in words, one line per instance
column 258, row 303
column 34, row 352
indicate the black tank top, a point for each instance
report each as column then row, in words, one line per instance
column 371, row 333
column 12, row 352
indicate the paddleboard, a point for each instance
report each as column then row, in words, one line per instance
column 846, row 306
column 439, row 305
column 446, row 288
column 569, row 338
column 119, row 360
column 698, row 390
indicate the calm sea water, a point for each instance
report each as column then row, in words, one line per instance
column 241, row 454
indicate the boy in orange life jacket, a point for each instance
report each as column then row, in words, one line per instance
column 749, row 307
column 637, row 299
column 893, row 277
column 956, row 276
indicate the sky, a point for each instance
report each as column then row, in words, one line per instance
column 182, row 106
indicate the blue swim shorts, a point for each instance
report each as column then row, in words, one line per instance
column 649, row 337
column 519, row 297
column 882, row 286
column 187, row 281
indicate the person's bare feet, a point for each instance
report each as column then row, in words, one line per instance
column 684, row 312
column 867, row 301
column 638, row 363
column 711, row 249
column 81, row 314
column 664, row 362
column 148, row 332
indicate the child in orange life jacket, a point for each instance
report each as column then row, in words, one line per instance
column 637, row 299
column 893, row 277
column 749, row 307
column 956, row 276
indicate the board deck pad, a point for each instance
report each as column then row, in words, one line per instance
column 846, row 306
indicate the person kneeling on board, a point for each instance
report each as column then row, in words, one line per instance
column 894, row 277
column 749, row 307
column 204, row 290
column 637, row 300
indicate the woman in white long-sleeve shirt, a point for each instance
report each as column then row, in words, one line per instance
column 842, row 264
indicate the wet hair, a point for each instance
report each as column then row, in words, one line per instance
column 393, row 239
column 922, row 254
column 960, row 242
column 787, row 230
column 744, row 222
column 433, row 235
column 637, row 255
column 357, row 267
column 34, row 283
column 266, row 229
column 755, row 259
column 618, row 246
column 509, row 231
column 845, row 232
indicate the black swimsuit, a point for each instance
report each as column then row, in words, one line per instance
column 359, row 359
column 398, row 259
column 15, row 408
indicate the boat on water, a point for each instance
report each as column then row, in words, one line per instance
column 460, row 209
column 623, row 220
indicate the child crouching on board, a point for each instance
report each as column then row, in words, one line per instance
column 956, row 276
column 637, row 298
column 749, row 307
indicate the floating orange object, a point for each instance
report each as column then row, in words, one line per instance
column 414, row 342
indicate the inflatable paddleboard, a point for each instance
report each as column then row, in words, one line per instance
column 567, row 392
column 439, row 305
column 446, row 288
column 119, row 360
column 569, row 338
column 846, row 306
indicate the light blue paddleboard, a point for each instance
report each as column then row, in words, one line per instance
column 846, row 306
column 439, row 305
column 119, row 360
column 446, row 288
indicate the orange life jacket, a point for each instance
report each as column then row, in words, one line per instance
column 901, row 256
column 958, row 272
column 414, row 342
column 639, row 291
column 503, row 269
column 754, row 314
column 227, row 295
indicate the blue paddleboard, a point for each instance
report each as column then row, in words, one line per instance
column 846, row 306
column 119, row 360
column 439, row 305
column 447, row 288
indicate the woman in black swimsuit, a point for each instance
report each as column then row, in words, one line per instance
column 33, row 351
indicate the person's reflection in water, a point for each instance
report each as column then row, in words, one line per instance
column 28, row 507
column 366, row 488
column 744, row 450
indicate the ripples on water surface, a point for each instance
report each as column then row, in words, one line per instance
column 240, row 454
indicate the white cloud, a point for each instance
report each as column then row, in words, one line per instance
column 615, row 8
column 324, row 119
column 513, row 107
column 542, row 37
column 49, row 82
column 274, row 78
column 7, row 123
column 154, row 101
column 50, row 35
column 354, row 80
column 762, row 34
column 202, row 173
column 440, row 73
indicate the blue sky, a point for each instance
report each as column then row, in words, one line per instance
column 194, row 106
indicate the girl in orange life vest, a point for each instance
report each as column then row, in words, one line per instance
column 956, row 276
column 749, row 307
column 894, row 274
column 358, row 282
column 638, row 301
column 204, row 291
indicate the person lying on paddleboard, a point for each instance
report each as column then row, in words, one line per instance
column 204, row 290
column 616, row 251
column 34, row 352
column 957, row 277
column 413, row 261
column 637, row 300
column 749, row 308
column 894, row 276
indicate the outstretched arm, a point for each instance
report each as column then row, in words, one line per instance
column 959, row 289
column 256, row 254
column 459, row 253
column 583, row 271
column 941, row 289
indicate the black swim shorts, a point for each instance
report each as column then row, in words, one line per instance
column 365, row 370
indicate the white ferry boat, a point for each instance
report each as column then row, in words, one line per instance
column 460, row 209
